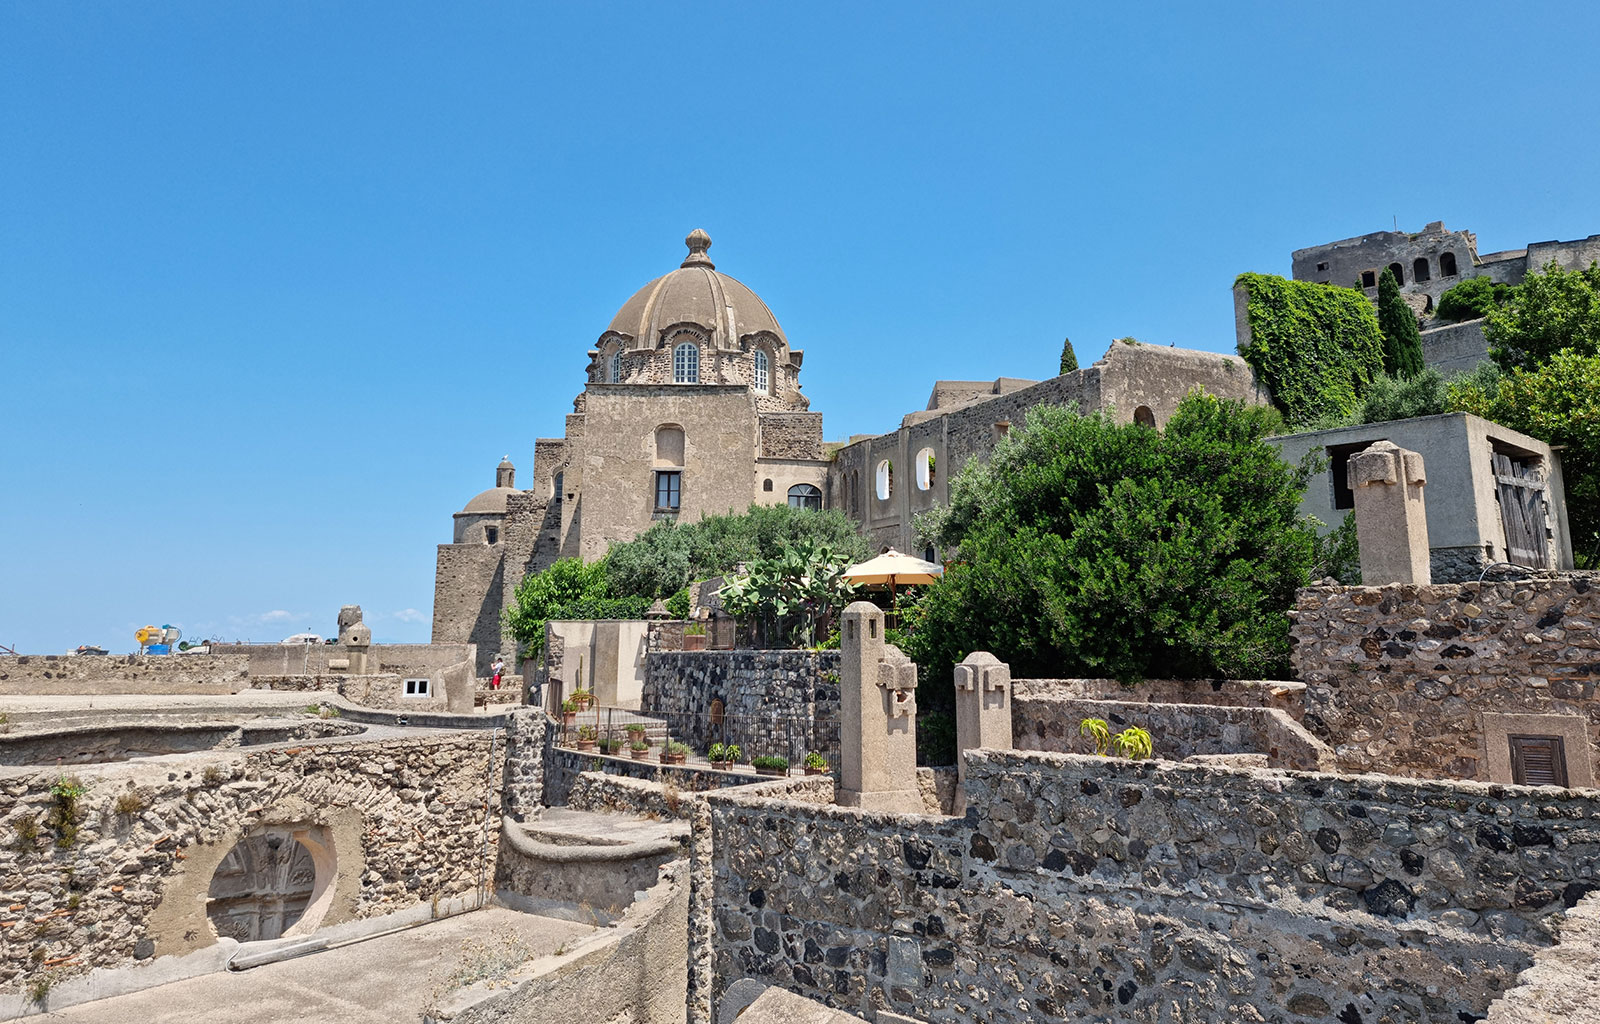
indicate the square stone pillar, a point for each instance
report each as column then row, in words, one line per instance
column 983, row 712
column 877, row 718
column 1391, row 515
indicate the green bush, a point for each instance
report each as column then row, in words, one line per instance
column 678, row 604
column 1472, row 299
column 1092, row 549
column 1316, row 346
column 770, row 762
column 1391, row 398
column 1402, row 341
column 569, row 589
column 1547, row 313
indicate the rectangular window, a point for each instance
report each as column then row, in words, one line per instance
column 1538, row 760
column 491, row 534
column 1339, row 472
column 1369, row 279
column 1322, row 266
column 669, row 487
column 416, row 688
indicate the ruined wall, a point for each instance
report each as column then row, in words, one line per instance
column 564, row 767
column 1152, row 892
column 468, row 582
column 775, row 702
column 405, row 820
column 1564, row 982
column 1342, row 262
column 123, row 673
column 528, row 743
column 1455, row 348
column 1042, row 721
column 1399, row 678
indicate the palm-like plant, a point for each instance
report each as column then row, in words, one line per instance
column 1099, row 731
column 790, row 600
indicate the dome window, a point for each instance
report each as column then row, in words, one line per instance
column 686, row 363
column 761, row 371
column 614, row 367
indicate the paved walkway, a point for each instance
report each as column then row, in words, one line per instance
column 380, row 981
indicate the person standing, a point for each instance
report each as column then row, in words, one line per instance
column 499, row 669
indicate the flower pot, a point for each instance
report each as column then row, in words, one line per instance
column 772, row 771
column 722, row 766
column 567, row 718
column 816, row 771
column 640, row 755
column 672, row 758
column 585, row 744
column 694, row 642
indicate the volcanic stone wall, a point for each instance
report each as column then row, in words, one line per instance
column 1153, row 892
column 775, row 702
column 127, row 673
column 1399, row 677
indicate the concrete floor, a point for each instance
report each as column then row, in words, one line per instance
column 380, row 981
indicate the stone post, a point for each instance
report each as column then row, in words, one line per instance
column 1391, row 515
column 983, row 712
column 355, row 636
column 878, row 718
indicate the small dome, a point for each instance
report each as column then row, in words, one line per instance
column 490, row 502
column 695, row 293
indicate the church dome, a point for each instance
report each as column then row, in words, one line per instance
column 489, row 503
column 695, row 293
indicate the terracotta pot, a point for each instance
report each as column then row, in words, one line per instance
column 567, row 718
column 772, row 771
column 722, row 766
column 816, row 771
column 695, row 642
column 585, row 744
column 640, row 755
column 673, row 758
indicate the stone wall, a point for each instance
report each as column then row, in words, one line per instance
column 775, row 702
column 528, row 744
column 1285, row 696
column 564, row 766
column 1455, row 348
column 1564, row 982
column 1050, row 722
column 1399, row 678
column 791, row 435
column 92, row 675
column 1151, row 892
column 401, row 821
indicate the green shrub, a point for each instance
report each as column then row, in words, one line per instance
column 678, row 604
column 1547, row 313
column 770, row 762
column 1391, row 398
column 1402, row 341
column 815, row 761
column 569, row 589
column 130, row 803
column 1471, row 299
column 724, row 752
column 1315, row 346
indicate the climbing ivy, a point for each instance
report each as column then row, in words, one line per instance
column 1316, row 346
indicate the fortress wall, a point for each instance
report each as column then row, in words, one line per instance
column 93, row 675
column 1152, row 892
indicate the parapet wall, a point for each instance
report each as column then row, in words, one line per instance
column 94, row 675
column 1153, row 892
column 1285, row 696
column 1399, row 678
column 774, row 702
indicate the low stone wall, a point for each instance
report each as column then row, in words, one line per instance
column 775, row 702
column 371, row 691
column 1564, row 982
column 528, row 744
column 1399, row 677
column 1042, row 720
column 600, row 791
column 564, row 766
column 76, row 742
column 1151, row 892
column 402, row 821
column 97, row 674
column 1286, row 696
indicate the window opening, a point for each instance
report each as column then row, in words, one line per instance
column 1399, row 273
column 1369, row 279
column 1538, row 760
column 761, row 370
column 1144, row 417
column 1338, row 472
column 556, row 491
column 925, row 467
column 416, row 688
column 885, row 480
column 1322, row 266
column 1419, row 269
column 491, row 534
column 929, row 555
column 669, row 490
column 669, row 446
column 805, row 496
column 686, row 363
column 1447, row 264
column 614, row 367
column 766, row 485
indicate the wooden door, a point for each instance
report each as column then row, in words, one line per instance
column 1519, row 487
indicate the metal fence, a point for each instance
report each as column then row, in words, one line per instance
column 787, row 736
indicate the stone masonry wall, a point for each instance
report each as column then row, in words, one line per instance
column 406, row 819
column 1399, row 677
column 775, row 702
column 127, row 673
column 791, row 435
column 1285, row 696
column 565, row 767
column 1153, row 892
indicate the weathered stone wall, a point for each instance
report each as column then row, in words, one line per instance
column 564, row 766
column 1285, row 696
column 468, row 590
column 1564, row 982
column 605, row 791
column 40, row 674
column 405, row 820
column 791, row 435
column 1152, row 892
column 775, row 702
column 1455, row 348
column 1050, row 722
column 528, row 743
column 1399, row 677
column 1342, row 262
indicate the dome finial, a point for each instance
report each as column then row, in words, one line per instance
column 698, row 242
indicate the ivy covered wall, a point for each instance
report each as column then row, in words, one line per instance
column 1315, row 345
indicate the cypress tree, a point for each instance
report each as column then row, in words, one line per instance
column 1402, row 342
column 1069, row 358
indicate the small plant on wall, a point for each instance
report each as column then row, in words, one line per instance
column 65, row 809
column 723, row 755
column 1133, row 742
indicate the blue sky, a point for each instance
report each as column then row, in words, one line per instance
column 280, row 283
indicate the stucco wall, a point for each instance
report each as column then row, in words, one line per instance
column 124, row 673
column 604, row 657
column 1455, row 348
column 1398, row 678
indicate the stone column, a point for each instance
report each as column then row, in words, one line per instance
column 1391, row 515
column 983, row 712
column 878, row 718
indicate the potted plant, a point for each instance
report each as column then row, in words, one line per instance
column 675, row 753
column 723, row 755
column 609, row 744
column 694, row 637
column 768, row 764
column 815, row 764
column 569, row 713
column 640, row 748
column 587, row 737
column 582, row 699
column 635, row 731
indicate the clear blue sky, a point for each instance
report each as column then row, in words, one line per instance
column 280, row 283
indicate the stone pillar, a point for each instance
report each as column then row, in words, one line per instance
column 983, row 712
column 877, row 719
column 1391, row 515
column 355, row 636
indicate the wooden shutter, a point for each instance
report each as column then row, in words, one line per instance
column 1520, row 491
column 1538, row 761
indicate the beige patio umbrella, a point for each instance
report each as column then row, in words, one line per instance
column 893, row 568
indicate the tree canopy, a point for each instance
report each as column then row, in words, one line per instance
column 1092, row 549
column 1471, row 299
column 1069, row 358
column 1402, row 340
column 1550, row 311
column 569, row 589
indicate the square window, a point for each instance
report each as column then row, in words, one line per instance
column 416, row 688
column 1322, row 266
column 669, row 490
column 1339, row 472
column 1369, row 279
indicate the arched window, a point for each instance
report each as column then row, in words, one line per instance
column 761, row 371
column 1399, row 273
column 1447, row 264
column 924, row 466
column 766, row 485
column 804, row 496
column 885, row 480
column 1144, row 417
column 686, row 363
column 560, row 478
column 614, row 367
column 1419, row 269
column 930, row 555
